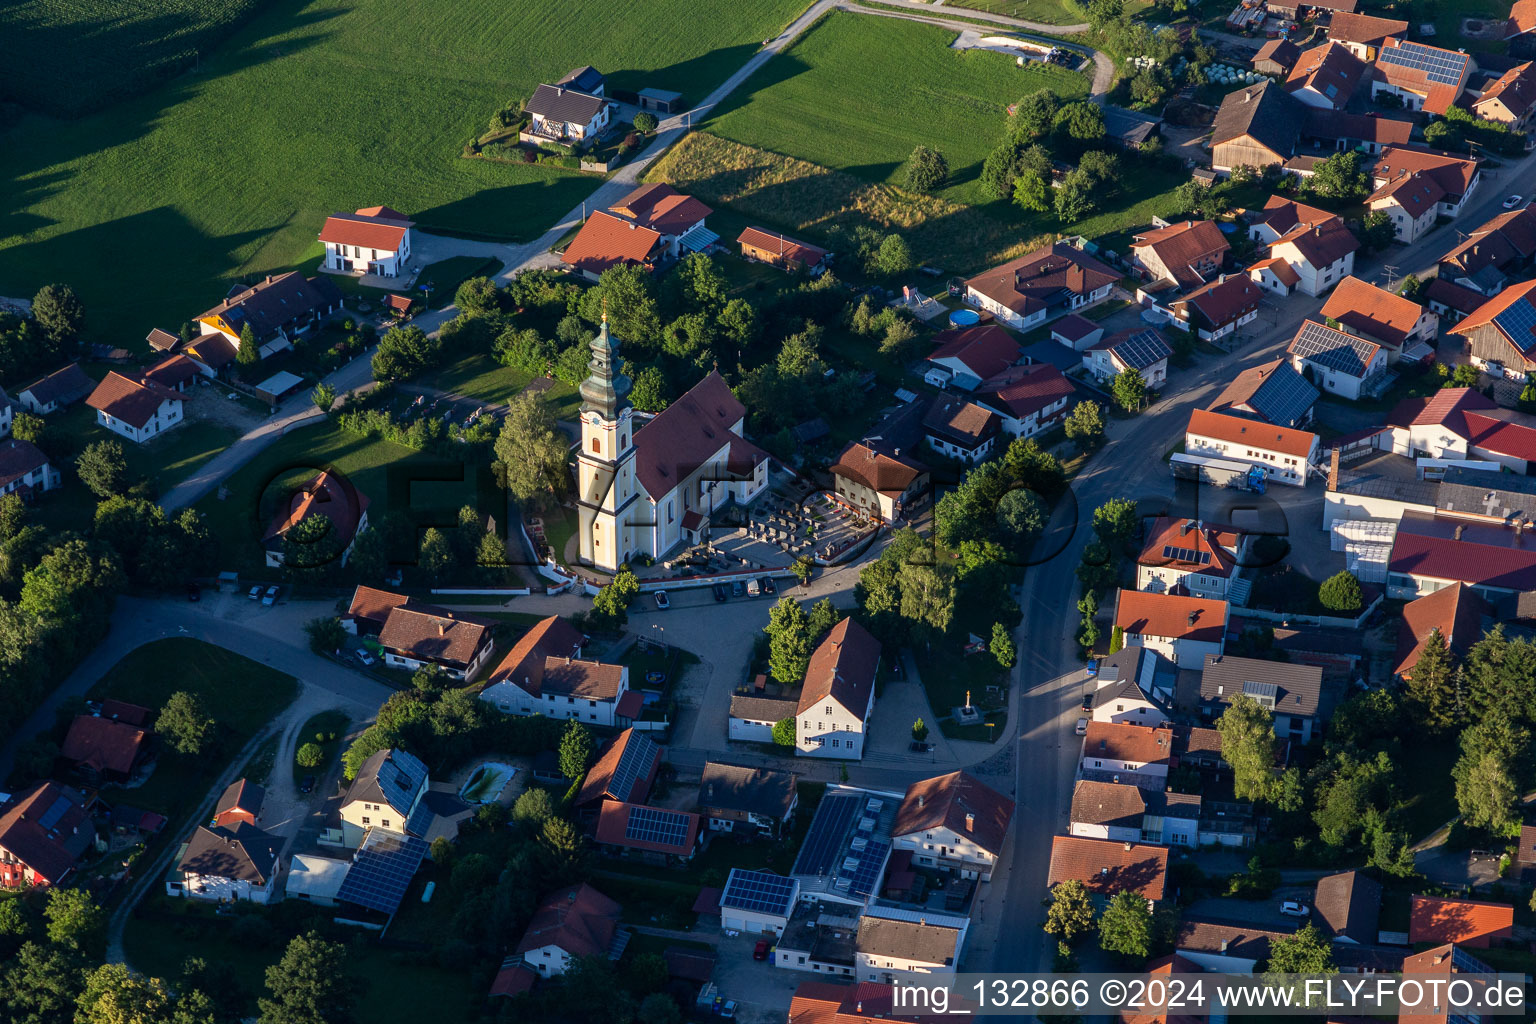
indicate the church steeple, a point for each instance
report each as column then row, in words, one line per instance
column 604, row 389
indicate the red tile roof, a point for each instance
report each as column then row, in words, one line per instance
column 172, row 371
column 1168, row 615
column 1124, row 741
column 1486, row 554
column 1452, row 173
column 1075, row 327
column 1184, row 535
column 1262, row 436
column 1108, row 867
column 374, row 227
column 1416, row 192
column 1330, row 70
column 661, row 208
column 1442, row 961
column 613, row 829
column 103, row 745
column 327, row 494
column 18, row 458
column 1473, row 923
column 1516, row 89
column 782, row 246
column 961, row 803
column 547, row 659
column 1225, row 301
column 1320, row 244
column 1184, row 245
column 605, row 241
column 1362, row 28
column 375, row 605
column 843, row 668
column 133, row 402
column 579, row 920
column 514, row 978
column 50, row 852
column 433, row 635
column 1522, row 16
column 1157, row 1009
column 1447, row 407
column 1281, row 214
column 1455, row 612
column 1281, row 269
column 890, row 473
column 1501, row 436
column 1366, row 309
column 1452, row 296
column 822, row 1002
column 1438, row 96
column 985, row 351
column 1023, row 391
column 1041, row 279
column 1282, row 52
column 690, row 432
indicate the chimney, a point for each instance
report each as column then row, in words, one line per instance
column 1247, row 96
column 970, row 822
column 1223, row 945
column 1333, row 469
column 441, row 629
column 1459, row 527
column 919, row 800
column 1439, row 957
column 1192, row 617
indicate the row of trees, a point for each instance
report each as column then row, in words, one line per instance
column 33, row 345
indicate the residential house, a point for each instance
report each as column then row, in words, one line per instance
column 1121, row 751
column 1275, row 275
column 624, row 771
column 820, row 1002
column 1076, row 332
column 1501, row 333
column 226, row 865
column 961, row 429
column 752, row 718
column 878, row 480
column 1257, row 126
column 911, row 946
column 1509, row 100
column 1027, row 399
column 1424, row 77
column 1455, row 613
column 1129, row 814
column 1348, row 907
column 1142, row 349
column 1107, row 868
column 781, row 251
column 1338, row 362
column 1414, row 186
column 1219, row 308
column 1223, row 946
column 370, row 608
column 1326, row 76
column 101, row 749
column 570, row 924
column 326, row 494
column 1272, row 392
column 1163, row 1009
column 954, row 822
column 277, row 310
column 176, row 372
column 1439, row 964
column 1411, row 201
column 1461, row 423
column 653, row 834
column 1041, row 285
column 1319, row 254
column 966, row 356
column 44, row 831
column 565, row 116
column 1182, row 629
column 1188, row 556
column 1187, row 254
column 1337, row 131
column 374, row 240
column 1287, row 453
column 1522, row 18
column 1431, row 552
column 1290, row 692
column 417, row 635
column 136, row 409
column 239, row 803
column 388, row 792
column 1486, row 260
column 1405, row 328
column 60, row 389
column 1453, row 302
column 677, row 218
column 839, row 694
column 585, row 79
column 25, row 469
column 545, row 674
column 1280, row 216
column 1476, row 924
column 1363, row 34
column 607, row 241
column 1133, row 685
column 1276, row 57
column 747, row 801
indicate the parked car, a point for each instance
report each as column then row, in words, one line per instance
column 1290, row 908
column 768, row 587
column 738, row 589
column 308, row 785
column 760, row 951
column 194, row 592
column 662, row 600
column 1513, row 201
column 1088, row 701
column 271, row 596
column 255, row 594
column 366, row 658
column 720, row 592
column 1082, row 727
column 754, row 588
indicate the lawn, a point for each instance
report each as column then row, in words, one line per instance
column 333, row 726
column 947, row 679
column 430, row 488
column 481, row 377
column 1050, row 12
column 151, row 208
column 241, row 696
column 829, row 99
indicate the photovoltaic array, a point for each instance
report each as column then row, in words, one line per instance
column 760, row 891
column 1444, row 67
column 657, row 825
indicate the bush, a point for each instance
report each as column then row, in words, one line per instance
column 1341, row 593
column 310, row 755
column 645, row 121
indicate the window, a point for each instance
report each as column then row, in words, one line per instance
column 669, row 510
column 367, row 821
column 385, row 823
column 597, row 445
column 829, row 709
column 837, row 743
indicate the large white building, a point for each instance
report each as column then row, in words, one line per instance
column 374, row 240
column 1287, row 454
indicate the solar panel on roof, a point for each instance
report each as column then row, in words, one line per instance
column 656, row 825
column 382, row 871
column 866, row 875
column 759, row 891
column 1519, row 323
column 634, row 762
column 55, row 811
column 822, row 844
column 1143, row 349
column 1332, row 349
column 1443, row 67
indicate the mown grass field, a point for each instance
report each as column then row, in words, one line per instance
column 149, row 209
column 1050, row 12
column 857, row 93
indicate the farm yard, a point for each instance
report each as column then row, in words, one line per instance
column 831, row 98
column 229, row 171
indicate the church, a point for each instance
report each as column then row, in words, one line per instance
column 646, row 487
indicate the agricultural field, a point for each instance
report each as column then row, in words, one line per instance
column 832, row 99
column 116, row 49
column 151, row 208
column 1049, row 12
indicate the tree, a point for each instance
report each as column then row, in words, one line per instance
column 1070, row 916
column 1304, row 951
column 789, row 641
column 1081, row 121
column 1442, row 135
column 893, row 256
column 325, row 634
column 309, row 985
column 309, row 755
column 103, row 467
column 1340, row 178
column 1126, row 926
column 1411, row 287
column 402, row 353
column 803, row 567
column 1020, row 519
column 575, row 750
column 368, row 558
column 1129, row 389
column 26, row 426
column 737, row 322
column 1341, row 592
column 1115, row 522
column 645, row 121
column 701, row 283
column 73, row 920
column 430, row 679
column 185, row 724
column 477, row 296
column 1032, row 192
column 926, row 170
column 324, row 396
column 562, row 847
column 919, row 729
column 1432, row 683
column 1102, row 12
column 249, row 353
column 648, row 390
column 1033, row 115
column 1002, row 646
column 784, row 732
column 533, row 808
column 1000, row 170
column 1074, row 199
column 1101, row 167
column 1492, row 773
column 1248, row 744
column 1377, row 231
column 531, row 451
column 1085, row 425
column 628, row 292
column 612, row 601
column 59, row 313
column 1117, row 640
column 1088, row 629
column 311, row 546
